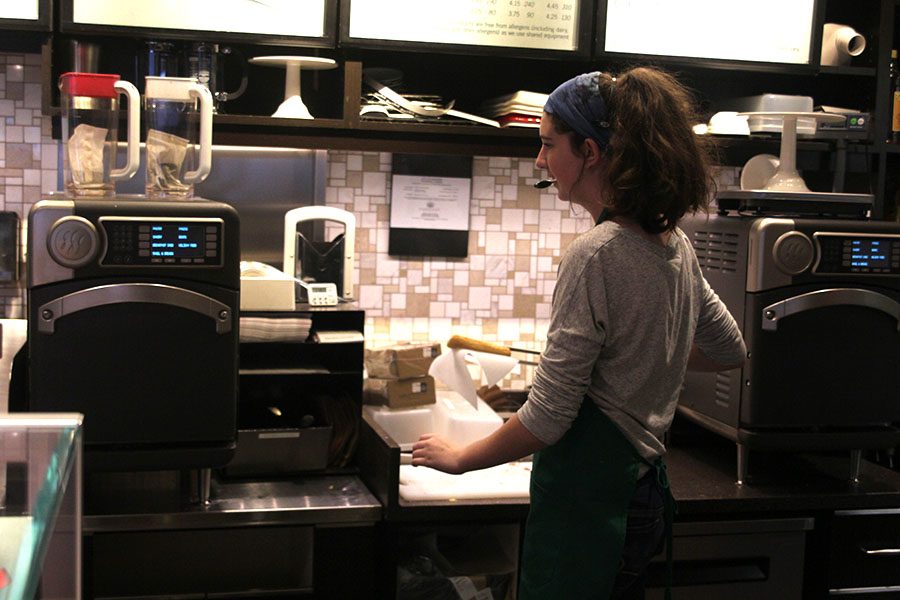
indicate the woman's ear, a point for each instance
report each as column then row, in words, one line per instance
column 591, row 152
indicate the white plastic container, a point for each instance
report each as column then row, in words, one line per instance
column 778, row 103
column 451, row 417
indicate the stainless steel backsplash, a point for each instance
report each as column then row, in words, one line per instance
column 262, row 184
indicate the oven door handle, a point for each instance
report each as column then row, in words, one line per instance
column 829, row 297
column 880, row 551
column 151, row 293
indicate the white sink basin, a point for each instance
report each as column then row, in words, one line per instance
column 451, row 417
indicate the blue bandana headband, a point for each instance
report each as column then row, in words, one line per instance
column 580, row 105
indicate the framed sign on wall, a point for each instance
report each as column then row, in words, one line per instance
column 430, row 197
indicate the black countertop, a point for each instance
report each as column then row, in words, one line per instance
column 701, row 469
column 703, row 482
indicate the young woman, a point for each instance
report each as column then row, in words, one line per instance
column 631, row 312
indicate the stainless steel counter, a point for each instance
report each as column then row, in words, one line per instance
column 134, row 501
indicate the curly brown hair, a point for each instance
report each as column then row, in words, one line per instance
column 657, row 169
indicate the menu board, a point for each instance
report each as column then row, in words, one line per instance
column 294, row 18
column 775, row 31
column 534, row 24
column 25, row 15
column 19, row 10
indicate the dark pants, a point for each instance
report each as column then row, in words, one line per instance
column 644, row 538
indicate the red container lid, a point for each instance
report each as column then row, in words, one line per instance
column 95, row 85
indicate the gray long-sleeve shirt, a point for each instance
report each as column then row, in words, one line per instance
column 625, row 314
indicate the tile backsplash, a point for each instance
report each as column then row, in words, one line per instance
column 500, row 292
column 28, row 154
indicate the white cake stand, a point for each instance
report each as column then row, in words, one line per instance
column 786, row 177
column 293, row 107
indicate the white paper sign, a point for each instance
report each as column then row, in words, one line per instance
column 304, row 18
column 540, row 24
column 425, row 202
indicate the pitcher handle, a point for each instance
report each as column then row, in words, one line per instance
column 201, row 93
column 133, row 153
column 226, row 96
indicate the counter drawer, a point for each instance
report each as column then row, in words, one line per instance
column 243, row 562
column 865, row 551
column 734, row 560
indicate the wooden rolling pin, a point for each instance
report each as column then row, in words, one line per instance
column 459, row 342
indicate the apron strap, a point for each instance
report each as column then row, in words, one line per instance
column 669, row 510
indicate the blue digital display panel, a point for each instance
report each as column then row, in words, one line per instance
column 162, row 242
column 858, row 254
column 177, row 240
column 873, row 253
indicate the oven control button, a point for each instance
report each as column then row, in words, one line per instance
column 793, row 252
column 73, row 242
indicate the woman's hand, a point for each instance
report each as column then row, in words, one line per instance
column 434, row 451
column 511, row 442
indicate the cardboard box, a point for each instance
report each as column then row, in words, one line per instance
column 402, row 361
column 399, row 393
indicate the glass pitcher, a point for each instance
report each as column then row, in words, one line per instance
column 90, row 120
column 179, row 135
column 206, row 64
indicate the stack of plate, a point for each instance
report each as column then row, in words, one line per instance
column 519, row 109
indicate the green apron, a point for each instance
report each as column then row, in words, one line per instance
column 580, row 491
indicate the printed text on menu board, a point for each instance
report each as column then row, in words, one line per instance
column 540, row 24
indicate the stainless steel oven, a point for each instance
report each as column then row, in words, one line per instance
column 132, row 320
column 818, row 302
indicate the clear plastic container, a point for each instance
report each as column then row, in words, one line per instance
column 90, row 119
column 178, row 123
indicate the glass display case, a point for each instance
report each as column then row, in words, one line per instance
column 40, row 505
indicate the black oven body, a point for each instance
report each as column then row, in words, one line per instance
column 133, row 321
column 818, row 302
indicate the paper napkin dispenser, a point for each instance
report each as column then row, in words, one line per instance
column 310, row 257
column 263, row 287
